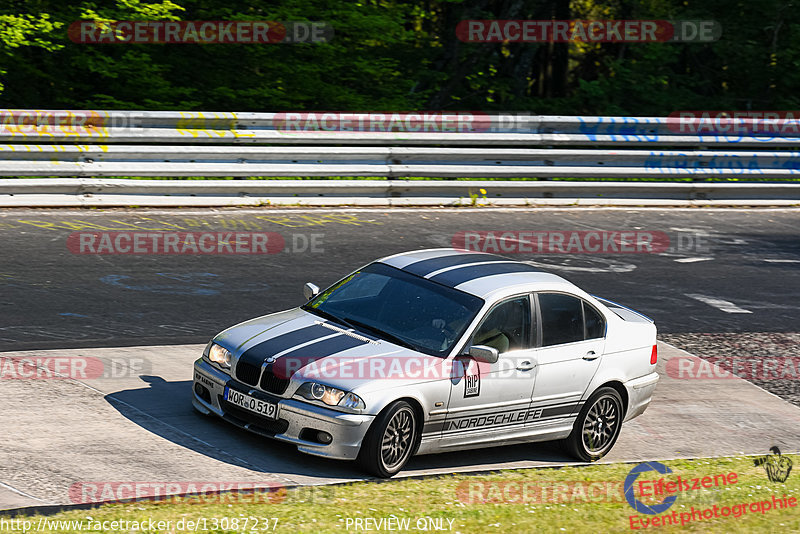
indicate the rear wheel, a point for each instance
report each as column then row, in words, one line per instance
column 390, row 441
column 597, row 427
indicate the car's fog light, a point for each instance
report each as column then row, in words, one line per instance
column 324, row 437
column 202, row 392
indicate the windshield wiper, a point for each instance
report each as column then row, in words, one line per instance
column 326, row 315
column 353, row 323
column 394, row 339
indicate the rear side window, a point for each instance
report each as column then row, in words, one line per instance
column 562, row 318
column 595, row 324
column 566, row 319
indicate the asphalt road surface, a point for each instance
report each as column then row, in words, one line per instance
column 721, row 283
column 721, row 271
column 130, row 426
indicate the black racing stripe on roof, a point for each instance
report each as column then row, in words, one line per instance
column 258, row 354
column 454, row 277
column 426, row 267
column 290, row 362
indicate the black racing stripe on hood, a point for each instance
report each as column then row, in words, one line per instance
column 426, row 267
column 291, row 362
column 460, row 275
column 258, row 354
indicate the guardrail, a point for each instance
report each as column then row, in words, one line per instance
column 83, row 192
column 99, row 144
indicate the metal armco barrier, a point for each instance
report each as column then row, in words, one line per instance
column 67, row 145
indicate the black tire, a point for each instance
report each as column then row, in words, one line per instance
column 597, row 427
column 390, row 441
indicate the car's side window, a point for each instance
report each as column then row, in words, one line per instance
column 566, row 319
column 507, row 326
column 562, row 318
column 595, row 323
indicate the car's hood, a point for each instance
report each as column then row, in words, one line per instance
column 304, row 346
column 240, row 337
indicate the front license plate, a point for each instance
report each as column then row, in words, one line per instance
column 265, row 408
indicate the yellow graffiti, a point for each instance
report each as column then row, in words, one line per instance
column 239, row 224
column 187, row 131
column 234, row 224
column 196, row 223
column 243, row 133
column 198, row 121
column 298, row 221
column 85, row 225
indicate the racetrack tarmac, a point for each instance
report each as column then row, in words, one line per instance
column 733, row 270
column 727, row 285
column 133, row 422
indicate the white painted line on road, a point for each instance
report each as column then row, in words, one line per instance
column 781, row 261
column 698, row 231
column 724, row 305
column 692, row 260
column 18, row 492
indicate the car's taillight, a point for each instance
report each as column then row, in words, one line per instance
column 654, row 355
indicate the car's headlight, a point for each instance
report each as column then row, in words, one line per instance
column 219, row 355
column 330, row 396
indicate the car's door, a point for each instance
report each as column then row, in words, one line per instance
column 489, row 401
column 570, row 347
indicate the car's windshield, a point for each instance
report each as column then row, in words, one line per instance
column 399, row 307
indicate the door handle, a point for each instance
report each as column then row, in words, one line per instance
column 525, row 366
column 591, row 355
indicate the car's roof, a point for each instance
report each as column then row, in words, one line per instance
column 478, row 273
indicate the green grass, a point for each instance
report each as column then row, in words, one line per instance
column 327, row 509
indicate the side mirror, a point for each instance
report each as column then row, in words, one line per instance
column 310, row 291
column 484, row 354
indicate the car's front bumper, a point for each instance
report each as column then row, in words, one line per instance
column 640, row 392
column 347, row 430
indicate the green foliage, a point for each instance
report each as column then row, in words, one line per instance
column 25, row 30
column 402, row 55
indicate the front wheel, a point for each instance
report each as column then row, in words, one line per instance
column 390, row 442
column 597, row 427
